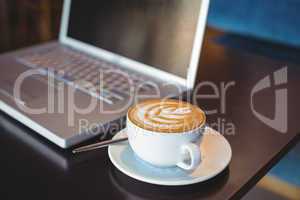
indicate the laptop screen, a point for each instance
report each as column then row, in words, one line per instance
column 159, row 33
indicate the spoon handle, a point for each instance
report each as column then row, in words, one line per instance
column 98, row 145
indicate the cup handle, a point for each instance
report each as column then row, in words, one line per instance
column 190, row 156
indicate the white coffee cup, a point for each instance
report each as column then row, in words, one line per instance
column 166, row 150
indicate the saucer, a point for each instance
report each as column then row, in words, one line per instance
column 216, row 155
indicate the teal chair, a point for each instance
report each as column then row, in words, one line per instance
column 277, row 21
column 274, row 20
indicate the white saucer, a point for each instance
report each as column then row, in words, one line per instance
column 216, row 155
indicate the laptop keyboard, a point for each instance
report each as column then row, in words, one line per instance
column 100, row 79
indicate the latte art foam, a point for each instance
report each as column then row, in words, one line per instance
column 168, row 116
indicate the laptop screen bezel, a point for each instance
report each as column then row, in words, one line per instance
column 192, row 69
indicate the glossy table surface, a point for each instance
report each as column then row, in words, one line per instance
column 33, row 168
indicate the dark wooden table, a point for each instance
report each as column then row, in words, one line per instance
column 33, row 168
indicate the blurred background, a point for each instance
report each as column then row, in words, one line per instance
column 273, row 23
column 27, row 22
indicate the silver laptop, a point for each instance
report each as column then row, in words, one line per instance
column 110, row 55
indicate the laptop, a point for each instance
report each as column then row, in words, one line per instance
column 110, row 55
